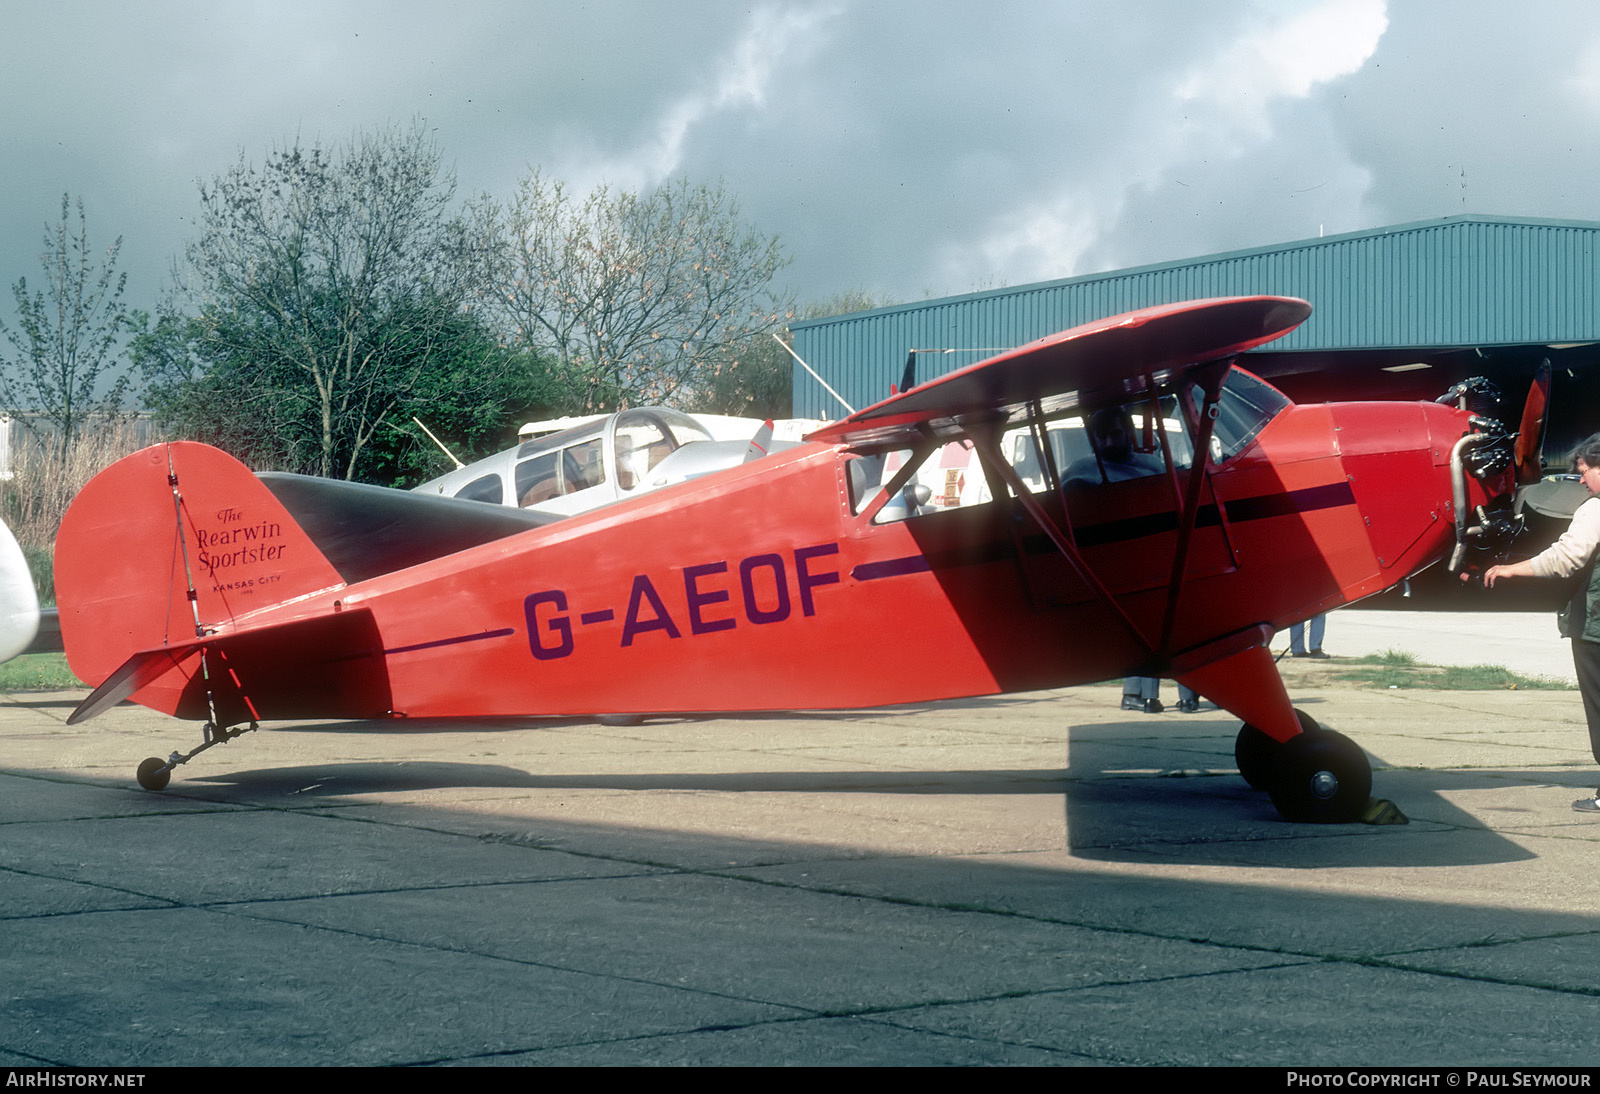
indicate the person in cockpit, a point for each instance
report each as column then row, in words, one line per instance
column 1113, row 433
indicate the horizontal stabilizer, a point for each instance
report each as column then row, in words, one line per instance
column 143, row 668
column 326, row 665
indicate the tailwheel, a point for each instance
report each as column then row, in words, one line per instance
column 1321, row 777
column 1255, row 753
column 154, row 773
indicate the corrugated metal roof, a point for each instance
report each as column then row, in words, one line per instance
column 1454, row 281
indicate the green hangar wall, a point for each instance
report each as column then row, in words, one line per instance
column 1400, row 312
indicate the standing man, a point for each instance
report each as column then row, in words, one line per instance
column 1313, row 628
column 1144, row 693
column 1574, row 554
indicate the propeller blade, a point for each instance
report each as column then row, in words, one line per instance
column 1535, row 420
column 760, row 443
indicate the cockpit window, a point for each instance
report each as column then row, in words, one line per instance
column 1068, row 444
column 1245, row 407
column 642, row 443
column 916, row 483
column 683, row 428
column 537, row 480
column 487, row 488
column 582, row 465
column 1126, row 444
column 1113, row 444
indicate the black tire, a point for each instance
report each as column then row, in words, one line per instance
column 152, row 774
column 1252, row 752
column 1321, row 778
column 1256, row 754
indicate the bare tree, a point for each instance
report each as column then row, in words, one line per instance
column 636, row 297
column 326, row 280
column 67, row 338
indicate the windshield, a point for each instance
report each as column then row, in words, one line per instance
column 1245, row 407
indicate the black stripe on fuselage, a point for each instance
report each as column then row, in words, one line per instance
column 1330, row 496
column 456, row 640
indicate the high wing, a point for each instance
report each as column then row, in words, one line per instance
column 1112, row 361
column 1108, row 361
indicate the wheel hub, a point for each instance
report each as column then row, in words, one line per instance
column 1324, row 785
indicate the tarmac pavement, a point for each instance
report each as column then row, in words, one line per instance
column 1034, row 879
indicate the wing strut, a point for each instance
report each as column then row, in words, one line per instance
column 1047, row 454
column 1209, row 379
column 993, row 462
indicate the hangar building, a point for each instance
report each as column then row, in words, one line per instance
column 1401, row 312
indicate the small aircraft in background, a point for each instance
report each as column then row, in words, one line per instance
column 588, row 463
column 19, row 603
column 819, row 576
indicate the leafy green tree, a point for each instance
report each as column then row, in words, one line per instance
column 755, row 381
column 474, row 400
column 471, row 392
column 635, row 297
column 66, row 363
column 247, row 408
column 324, row 284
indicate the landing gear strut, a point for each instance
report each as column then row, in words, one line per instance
column 1319, row 776
column 155, row 773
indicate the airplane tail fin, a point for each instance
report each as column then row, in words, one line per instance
column 164, row 547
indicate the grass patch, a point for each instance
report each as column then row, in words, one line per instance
column 1399, row 669
column 38, row 672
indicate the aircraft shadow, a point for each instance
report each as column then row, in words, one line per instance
column 1179, row 798
column 388, row 726
column 339, row 780
column 1184, row 815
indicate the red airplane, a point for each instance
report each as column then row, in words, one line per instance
column 818, row 577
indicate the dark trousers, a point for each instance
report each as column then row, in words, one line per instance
column 1586, row 659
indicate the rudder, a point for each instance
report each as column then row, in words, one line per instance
column 152, row 526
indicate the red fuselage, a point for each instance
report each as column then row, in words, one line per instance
column 759, row 587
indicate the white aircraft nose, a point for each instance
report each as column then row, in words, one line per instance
column 19, row 604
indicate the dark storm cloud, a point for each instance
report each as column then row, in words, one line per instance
column 1491, row 110
column 902, row 148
